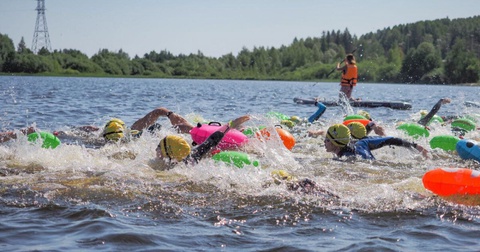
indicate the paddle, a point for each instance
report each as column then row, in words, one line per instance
column 333, row 70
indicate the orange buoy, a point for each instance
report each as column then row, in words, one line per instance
column 362, row 121
column 287, row 138
column 452, row 181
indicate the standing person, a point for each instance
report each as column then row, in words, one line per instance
column 349, row 76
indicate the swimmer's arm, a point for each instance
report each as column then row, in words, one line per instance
column 214, row 139
column 400, row 142
column 315, row 133
column 177, row 121
column 379, row 130
column 149, row 119
column 234, row 124
column 434, row 111
column 9, row 135
column 422, row 150
column 237, row 122
column 200, row 151
column 88, row 128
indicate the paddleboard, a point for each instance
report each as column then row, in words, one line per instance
column 367, row 104
column 472, row 104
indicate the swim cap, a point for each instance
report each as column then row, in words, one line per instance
column 364, row 114
column 357, row 130
column 423, row 113
column 295, row 119
column 279, row 175
column 339, row 134
column 174, row 147
column 288, row 123
column 114, row 129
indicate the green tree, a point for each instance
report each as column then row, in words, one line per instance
column 31, row 63
column 461, row 66
column 113, row 63
column 7, row 52
column 22, row 47
column 419, row 62
column 347, row 41
column 70, row 59
column 244, row 57
column 43, row 51
column 276, row 63
column 230, row 62
column 161, row 57
column 395, row 56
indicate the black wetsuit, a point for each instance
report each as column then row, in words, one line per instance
column 424, row 121
column 364, row 146
column 201, row 150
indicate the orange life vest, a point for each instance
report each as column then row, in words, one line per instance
column 349, row 77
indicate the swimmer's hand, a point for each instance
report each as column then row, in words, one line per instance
column 423, row 151
column 238, row 121
column 446, row 100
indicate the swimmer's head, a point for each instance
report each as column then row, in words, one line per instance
column 339, row 135
column 280, row 176
column 357, row 130
column 114, row 130
column 173, row 147
column 364, row 114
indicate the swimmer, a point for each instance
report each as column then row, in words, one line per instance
column 372, row 126
column 338, row 141
column 174, row 149
column 116, row 130
column 10, row 135
column 306, row 185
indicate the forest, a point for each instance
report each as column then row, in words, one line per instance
column 441, row 51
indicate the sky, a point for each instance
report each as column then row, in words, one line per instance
column 213, row 27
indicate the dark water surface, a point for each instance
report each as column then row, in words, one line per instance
column 77, row 198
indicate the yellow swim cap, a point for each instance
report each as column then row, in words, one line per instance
column 114, row 129
column 295, row 119
column 279, row 175
column 364, row 114
column 339, row 134
column 423, row 113
column 174, row 147
column 287, row 123
column 357, row 130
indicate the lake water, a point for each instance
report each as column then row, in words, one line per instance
column 78, row 198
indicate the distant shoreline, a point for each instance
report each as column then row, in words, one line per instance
column 201, row 78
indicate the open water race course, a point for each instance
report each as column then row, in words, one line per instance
column 84, row 195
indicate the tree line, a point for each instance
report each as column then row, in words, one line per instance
column 441, row 51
